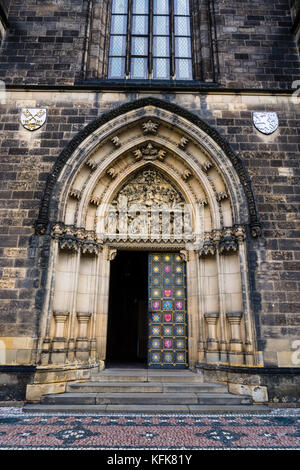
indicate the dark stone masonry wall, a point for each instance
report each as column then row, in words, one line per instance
column 46, row 43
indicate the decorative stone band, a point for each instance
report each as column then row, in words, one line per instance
column 74, row 239
column 225, row 241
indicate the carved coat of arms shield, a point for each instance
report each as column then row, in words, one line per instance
column 33, row 118
column 267, row 123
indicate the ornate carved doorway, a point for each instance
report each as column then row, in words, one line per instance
column 147, row 314
column 151, row 178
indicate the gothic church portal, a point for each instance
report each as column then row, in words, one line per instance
column 150, row 193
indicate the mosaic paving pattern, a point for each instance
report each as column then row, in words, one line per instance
column 275, row 430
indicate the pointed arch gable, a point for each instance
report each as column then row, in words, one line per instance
column 136, row 110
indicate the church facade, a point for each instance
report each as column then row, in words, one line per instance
column 150, row 193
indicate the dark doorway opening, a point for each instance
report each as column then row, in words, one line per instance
column 127, row 334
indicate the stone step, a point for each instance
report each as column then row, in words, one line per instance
column 146, row 375
column 144, row 409
column 145, row 399
column 157, row 387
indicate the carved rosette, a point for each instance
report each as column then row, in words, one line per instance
column 116, row 141
column 183, row 143
column 75, row 193
column 206, row 166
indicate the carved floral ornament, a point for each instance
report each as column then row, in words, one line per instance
column 149, row 153
column 75, row 239
column 225, row 241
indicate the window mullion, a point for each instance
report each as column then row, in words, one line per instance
column 128, row 42
column 150, row 40
column 172, row 40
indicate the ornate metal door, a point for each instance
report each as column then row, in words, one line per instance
column 167, row 312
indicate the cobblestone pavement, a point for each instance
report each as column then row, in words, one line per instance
column 277, row 429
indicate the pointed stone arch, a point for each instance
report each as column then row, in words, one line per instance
column 87, row 141
column 190, row 164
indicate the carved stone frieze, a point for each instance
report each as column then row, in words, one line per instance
column 228, row 242
column 209, row 247
column 149, row 187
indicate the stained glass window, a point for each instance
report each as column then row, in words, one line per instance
column 150, row 39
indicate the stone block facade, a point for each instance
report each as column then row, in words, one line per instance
column 53, row 57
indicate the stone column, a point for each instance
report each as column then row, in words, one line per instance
column 212, row 352
column 221, row 263
column 249, row 327
column 71, row 331
column 192, row 305
column 93, row 345
column 82, row 340
column 59, row 342
column 106, row 256
column 236, row 344
column 45, row 341
column 201, row 341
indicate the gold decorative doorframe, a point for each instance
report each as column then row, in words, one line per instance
column 153, row 159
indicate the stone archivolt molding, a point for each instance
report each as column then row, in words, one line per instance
column 83, row 145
